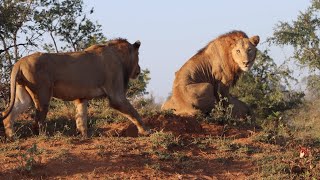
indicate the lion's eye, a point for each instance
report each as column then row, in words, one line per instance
column 238, row 51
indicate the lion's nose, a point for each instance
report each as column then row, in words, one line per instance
column 137, row 74
column 138, row 71
column 246, row 63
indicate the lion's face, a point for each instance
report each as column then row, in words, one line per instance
column 135, row 55
column 244, row 52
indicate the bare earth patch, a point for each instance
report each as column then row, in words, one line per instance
column 181, row 148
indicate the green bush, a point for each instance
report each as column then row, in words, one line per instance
column 266, row 88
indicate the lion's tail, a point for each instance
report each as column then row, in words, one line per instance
column 13, row 79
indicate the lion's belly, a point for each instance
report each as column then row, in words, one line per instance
column 70, row 93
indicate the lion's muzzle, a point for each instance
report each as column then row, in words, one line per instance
column 137, row 72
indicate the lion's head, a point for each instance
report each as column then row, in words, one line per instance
column 244, row 52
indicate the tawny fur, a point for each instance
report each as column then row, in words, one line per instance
column 206, row 78
column 98, row 71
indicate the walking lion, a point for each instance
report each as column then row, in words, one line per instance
column 98, row 71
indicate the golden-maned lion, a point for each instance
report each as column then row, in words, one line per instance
column 98, row 71
column 207, row 76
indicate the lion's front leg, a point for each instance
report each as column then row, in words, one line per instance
column 123, row 105
column 81, row 116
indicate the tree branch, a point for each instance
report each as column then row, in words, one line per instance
column 21, row 44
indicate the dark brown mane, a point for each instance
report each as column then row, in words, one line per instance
column 120, row 40
column 229, row 37
column 117, row 41
column 112, row 42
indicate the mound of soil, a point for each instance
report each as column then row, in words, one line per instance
column 175, row 124
column 227, row 131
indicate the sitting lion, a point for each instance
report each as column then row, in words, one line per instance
column 207, row 76
column 98, row 71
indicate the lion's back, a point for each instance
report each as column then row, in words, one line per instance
column 71, row 75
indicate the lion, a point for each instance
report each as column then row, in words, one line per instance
column 207, row 76
column 98, row 71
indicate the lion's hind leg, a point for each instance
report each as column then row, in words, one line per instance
column 201, row 96
column 181, row 108
column 21, row 104
column 168, row 105
column 81, row 116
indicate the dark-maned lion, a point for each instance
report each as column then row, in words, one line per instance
column 98, row 71
column 209, row 74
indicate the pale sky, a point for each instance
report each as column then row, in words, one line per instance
column 173, row 31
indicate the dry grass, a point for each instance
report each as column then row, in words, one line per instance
column 305, row 121
column 180, row 148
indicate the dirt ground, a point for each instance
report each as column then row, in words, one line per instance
column 181, row 148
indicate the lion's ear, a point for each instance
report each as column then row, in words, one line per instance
column 254, row 40
column 137, row 44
